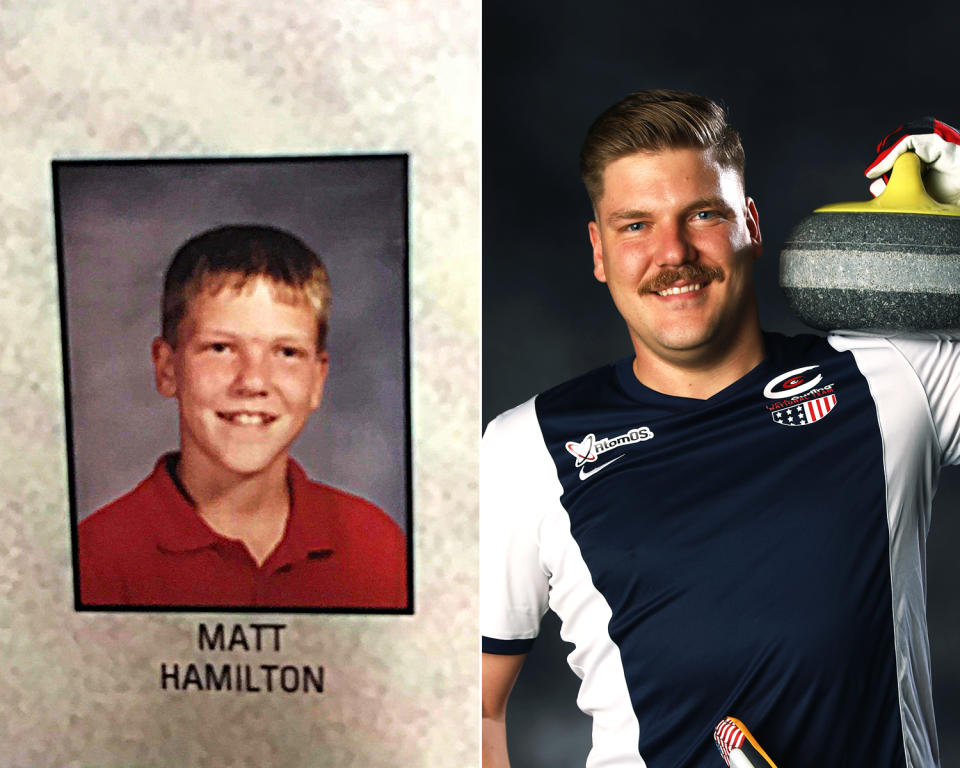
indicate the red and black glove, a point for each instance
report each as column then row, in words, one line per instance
column 938, row 147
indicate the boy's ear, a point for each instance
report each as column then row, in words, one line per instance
column 163, row 373
column 322, row 367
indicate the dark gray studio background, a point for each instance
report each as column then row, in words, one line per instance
column 121, row 224
column 811, row 88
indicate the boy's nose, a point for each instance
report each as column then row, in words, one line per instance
column 253, row 374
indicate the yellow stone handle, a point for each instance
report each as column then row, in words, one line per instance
column 904, row 193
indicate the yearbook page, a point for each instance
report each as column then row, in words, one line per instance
column 239, row 350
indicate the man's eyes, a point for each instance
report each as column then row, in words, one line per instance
column 707, row 215
column 218, row 346
column 291, row 352
column 698, row 216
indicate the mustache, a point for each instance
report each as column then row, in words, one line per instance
column 688, row 273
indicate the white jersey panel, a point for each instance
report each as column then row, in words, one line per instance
column 936, row 361
column 523, row 522
column 595, row 658
column 914, row 381
column 516, row 475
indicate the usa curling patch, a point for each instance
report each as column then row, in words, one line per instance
column 801, row 397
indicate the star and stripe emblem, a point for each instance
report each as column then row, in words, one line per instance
column 806, row 412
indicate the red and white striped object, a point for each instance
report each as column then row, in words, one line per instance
column 727, row 735
column 737, row 746
column 817, row 409
column 805, row 412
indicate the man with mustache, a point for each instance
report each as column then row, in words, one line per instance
column 728, row 522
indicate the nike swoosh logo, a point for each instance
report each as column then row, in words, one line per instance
column 583, row 470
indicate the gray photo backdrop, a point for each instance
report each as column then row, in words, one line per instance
column 121, row 224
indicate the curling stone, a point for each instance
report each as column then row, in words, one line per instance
column 891, row 263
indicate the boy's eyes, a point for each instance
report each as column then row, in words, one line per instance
column 285, row 351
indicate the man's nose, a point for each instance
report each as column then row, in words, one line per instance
column 253, row 373
column 673, row 246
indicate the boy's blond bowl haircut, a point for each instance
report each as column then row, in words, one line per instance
column 232, row 255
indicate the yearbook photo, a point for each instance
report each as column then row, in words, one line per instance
column 236, row 363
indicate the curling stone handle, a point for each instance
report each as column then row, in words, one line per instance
column 905, row 188
column 904, row 193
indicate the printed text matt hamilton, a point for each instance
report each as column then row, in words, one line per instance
column 237, row 677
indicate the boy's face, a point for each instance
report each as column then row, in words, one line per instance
column 246, row 374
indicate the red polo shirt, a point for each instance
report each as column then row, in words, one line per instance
column 151, row 548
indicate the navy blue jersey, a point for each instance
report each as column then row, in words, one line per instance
column 758, row 554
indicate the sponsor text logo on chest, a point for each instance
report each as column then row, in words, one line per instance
column 589, row 448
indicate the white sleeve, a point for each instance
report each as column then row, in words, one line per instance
column 936, row 361
column 931, row 362
column 514, row 583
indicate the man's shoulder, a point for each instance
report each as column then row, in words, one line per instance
column 587, row 388
column 930, row 356
column 806, row 348
column 779, row 346
column 893, row 339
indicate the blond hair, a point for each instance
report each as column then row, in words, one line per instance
column 652, row 121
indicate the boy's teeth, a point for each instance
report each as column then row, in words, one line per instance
column 247, row 418
column 683, row 289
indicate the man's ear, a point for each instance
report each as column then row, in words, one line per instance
column 163, row 369
column 322, row 364
column 753, row 227
column 598, row 271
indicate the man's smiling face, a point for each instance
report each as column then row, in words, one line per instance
column 246, row 374
column 675, row 239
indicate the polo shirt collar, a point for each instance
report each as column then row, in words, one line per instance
column 310, row 533
column 181, row 529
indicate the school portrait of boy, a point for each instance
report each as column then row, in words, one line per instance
column 246, row 348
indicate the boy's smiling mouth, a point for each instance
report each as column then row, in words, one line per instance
column 247, row 418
